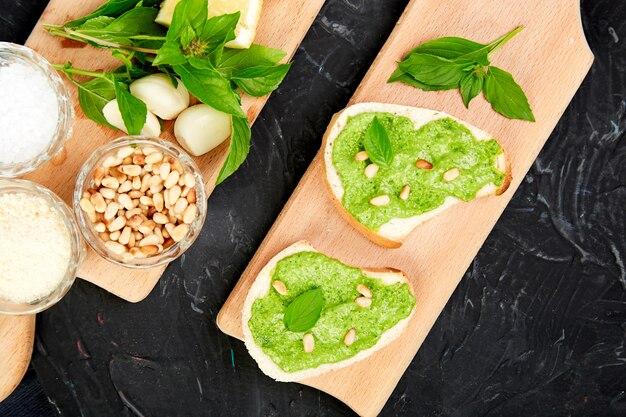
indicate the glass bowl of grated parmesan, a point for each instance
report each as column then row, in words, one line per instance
column 40, row 249
column 36, row 111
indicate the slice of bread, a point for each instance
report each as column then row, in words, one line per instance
column 393, row 233
column 261, row 287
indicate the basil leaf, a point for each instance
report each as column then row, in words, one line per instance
column 93, row 95
column 377, row 144
column 169, row 54
column 255, row 56
column 238, row 148
column 434, row 70
column 304, row 311
column 471, row 86
column 111, row 8
column 133, row 110
column 400, row 76
column 217, row 31
column 260, row 81
column 192, row 12
column 210, row 88
column 448, row 47
column 506, row 96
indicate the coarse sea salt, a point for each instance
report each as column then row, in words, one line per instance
column 29, row 111
column 35, row 247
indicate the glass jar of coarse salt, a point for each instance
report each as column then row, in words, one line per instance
column 36, row 112
column 40, row 247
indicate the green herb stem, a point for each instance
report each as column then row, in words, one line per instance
column 504, row 39
column 68, row 33
column 76, row 71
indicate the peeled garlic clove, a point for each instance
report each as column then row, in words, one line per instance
column 160, row 95
column 201, row 128
column 111, row 112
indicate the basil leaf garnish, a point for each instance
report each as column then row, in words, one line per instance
column 304, row 311
column 377, row 144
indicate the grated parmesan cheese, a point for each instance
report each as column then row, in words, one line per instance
column 29, row 113
column 35, row 247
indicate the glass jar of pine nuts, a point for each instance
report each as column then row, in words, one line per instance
column 140, row 201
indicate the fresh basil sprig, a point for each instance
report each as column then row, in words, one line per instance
column 304, row 311
column 450, row 62
column 377, row 144
column 193, row 48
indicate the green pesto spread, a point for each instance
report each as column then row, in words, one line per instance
column 445, row 143
column 305, row 271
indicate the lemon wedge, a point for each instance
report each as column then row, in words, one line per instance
column 246, row 28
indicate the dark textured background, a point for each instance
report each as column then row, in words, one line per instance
column 536, row 327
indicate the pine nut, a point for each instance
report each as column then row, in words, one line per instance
column 148, row 150
column 149, row 240
column 107, row 193
column 190, row 213
column 363, row 302
column 118, row 175
column 168, row 243
column 157, row 233
column 404, row 194
column 156, row 189
column 98, row 175
column 131, row 170
column 125, row 236
column 350, row 337
column 111, row 211
column 177, row 166
column 137, row 253
column 135, row 221
column 179, row 232
column 308, row 342
column 111, row 161
column 149, row 249
column 371, row 170
column 100, row 227
column 361, row 156
column 423, row 164
column 190, row 180
column 145, row 183
column 111, row 182
column 170, row 228
column 115, row 247
column 184, row 192
column 381, row 200
column 154, row 157
column 125, row 187
column 174, row 194
column 191, row 197
column 164, row 170
column 136, row 183
column 135, row 194
column 451, row 174
column 280, row 287
column 117, row 224
column 125, row 201
column 131, row 240
column 115, row 235
column 158, row 201
column 181, row 206
column 364, row 291
column 139, row 159
column 98, row 202
column 172, row 179
column 160, row 218
column 86, row 206
column 125, row 152
column 146, row 201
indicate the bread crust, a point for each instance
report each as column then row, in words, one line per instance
column 262, row 285
column 331, row 176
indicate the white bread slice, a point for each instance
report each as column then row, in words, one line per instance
column 393, row 233
column 261, row 287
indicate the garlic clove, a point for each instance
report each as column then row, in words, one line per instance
column 201, row 128
column 111, row 112
column 160, row 95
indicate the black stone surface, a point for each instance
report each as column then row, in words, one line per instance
column 536, row 327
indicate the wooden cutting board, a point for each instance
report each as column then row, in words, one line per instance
column 283, row 25
column 14, row 357
column 549, row 59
